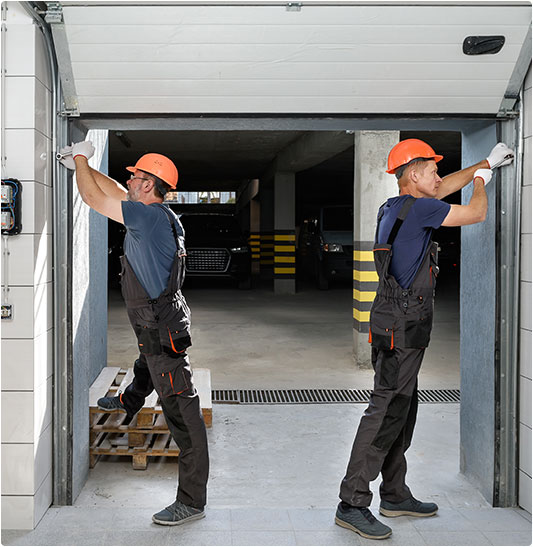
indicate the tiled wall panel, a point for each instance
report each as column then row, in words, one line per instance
column 17, row 417
column 524, row 459
column 43, row 457
column 27, row 341
column 36, row 208
column 525, row 353
column 17, row 469
column 43, row 498
column 24, row 166
column 22, row 324
column 17, row 365
column 17, row 512
column 42, row 408
column 525, row 448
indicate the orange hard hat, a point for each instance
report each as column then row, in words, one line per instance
column 159, row 166
column 409, row 150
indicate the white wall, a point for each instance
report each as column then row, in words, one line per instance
column 524, row 460
column 27, row 340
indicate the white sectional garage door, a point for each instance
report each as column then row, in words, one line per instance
column 274, row 59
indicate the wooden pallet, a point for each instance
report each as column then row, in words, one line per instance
column 118, row 444
column 147, row 434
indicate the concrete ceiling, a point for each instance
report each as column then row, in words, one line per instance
column 222, row 160
column 205, row 159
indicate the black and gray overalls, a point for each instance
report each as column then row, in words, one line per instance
column 400, row 327
column 162, row 326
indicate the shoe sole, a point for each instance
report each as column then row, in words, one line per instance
column 111, row 409
column 178, row 522
column 389, row 513
column 357, row 531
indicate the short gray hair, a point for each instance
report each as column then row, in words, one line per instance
column 401, row 170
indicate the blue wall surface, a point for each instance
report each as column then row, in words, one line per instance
column 478, row 316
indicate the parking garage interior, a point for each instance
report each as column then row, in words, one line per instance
column 260, row 339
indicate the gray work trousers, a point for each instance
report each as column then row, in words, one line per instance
column 385, row 430
column 181, row 407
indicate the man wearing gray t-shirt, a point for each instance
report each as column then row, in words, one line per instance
column 153, row 269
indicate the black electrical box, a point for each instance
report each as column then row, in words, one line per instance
column 11, row 207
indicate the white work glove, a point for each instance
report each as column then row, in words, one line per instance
column 484, row 174
column 65, row 158
column 83, row 148
column 500, row 155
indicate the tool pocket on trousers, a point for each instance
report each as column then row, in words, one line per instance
column 173, row 379
column 175, row 342
column 417, row 333
column 387, row 369
column 381, row 338
column 148, row 340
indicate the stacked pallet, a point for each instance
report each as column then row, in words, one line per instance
column 147, row 434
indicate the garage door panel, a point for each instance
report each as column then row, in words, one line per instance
column 278, row 15
column 278, row 53
column 475, row 72
column 291, row 88
column 258, row 33
column 250, row 58
column 289, row 105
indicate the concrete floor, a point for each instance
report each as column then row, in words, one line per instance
column 255, row 339
column 275, row 470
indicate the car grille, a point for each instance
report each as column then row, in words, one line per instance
column 207, row 260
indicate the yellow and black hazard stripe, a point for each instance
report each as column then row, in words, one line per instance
column 267, row 251
column 365, row 283
column 255, row 247
column 285, row 254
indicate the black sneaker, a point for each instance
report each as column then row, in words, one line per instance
column 363, row 522
column 177, row 513
column 111, row 404
column 410, row 507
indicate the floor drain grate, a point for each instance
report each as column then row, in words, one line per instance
column 319, row 396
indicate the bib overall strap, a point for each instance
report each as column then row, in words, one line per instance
column 172, row 225
column 409, row 202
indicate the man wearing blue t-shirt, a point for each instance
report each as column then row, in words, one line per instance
column 401, row 319
column 153, row 269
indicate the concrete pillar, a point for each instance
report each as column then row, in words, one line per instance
column 255, row 235
column 266, row 196
column 372, row 187
column 284, row 233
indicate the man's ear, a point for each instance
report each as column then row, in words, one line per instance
column 412, row 173
column 148, row 185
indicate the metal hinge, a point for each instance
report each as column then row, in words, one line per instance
column 507, row 108
column 54, row 13
column 4, row 11
column 294, row 6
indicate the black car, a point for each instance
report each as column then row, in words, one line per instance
column 216, row 247
column 325, row 245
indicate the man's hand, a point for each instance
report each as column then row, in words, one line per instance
column 500, row 155
column 83, row 148
column 484, row 174
column 66, row 158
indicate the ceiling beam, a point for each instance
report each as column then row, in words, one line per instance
column 309, row 150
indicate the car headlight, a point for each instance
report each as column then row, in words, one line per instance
column 239, row 250
column 332, row 248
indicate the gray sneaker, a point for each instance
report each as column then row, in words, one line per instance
column 111, row 404
column 410, row 507
column 177, row 513
column 363, row 522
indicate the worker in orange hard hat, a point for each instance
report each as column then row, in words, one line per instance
column 153, row 270
column 401, row 320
